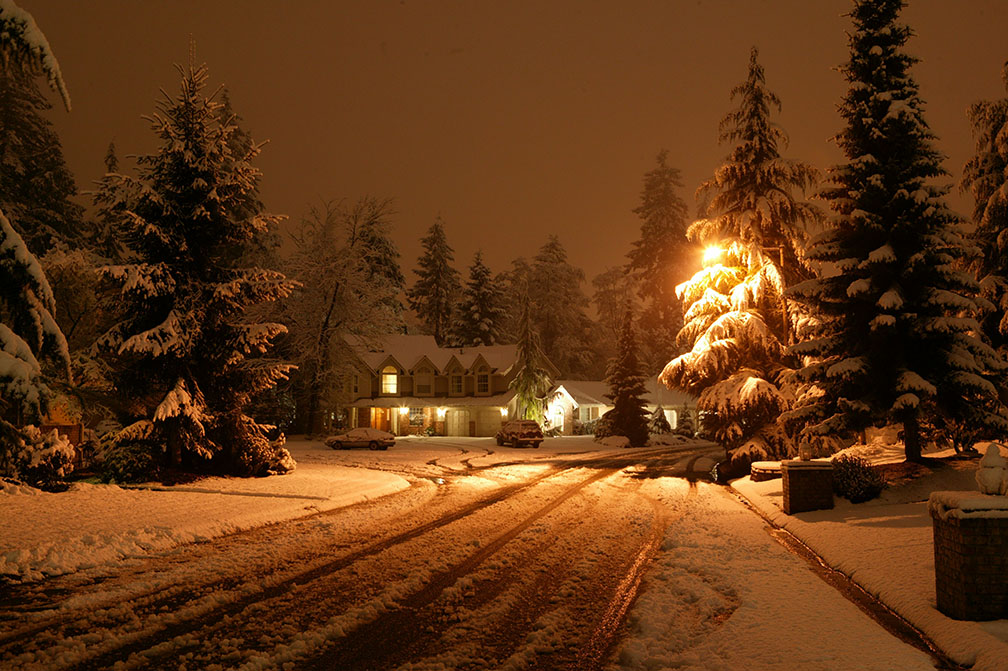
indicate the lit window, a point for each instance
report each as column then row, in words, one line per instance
column 483, row 383
column 416, row 416
column 456, row 384
column 389, row 380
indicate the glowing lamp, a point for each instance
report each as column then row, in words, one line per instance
column 712, row 255
column 503, row 412
column 403, row 411
column 441, row 412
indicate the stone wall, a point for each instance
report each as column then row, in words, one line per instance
column 808, row 485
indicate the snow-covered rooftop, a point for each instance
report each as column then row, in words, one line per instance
column 593, row 392
column 410, row 350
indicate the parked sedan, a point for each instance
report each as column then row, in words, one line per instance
column 362, row 436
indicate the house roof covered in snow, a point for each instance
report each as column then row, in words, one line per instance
column 593, row 392
column 409, row 350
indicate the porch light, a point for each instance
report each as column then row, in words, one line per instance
column 441, row 412
column 404, row 411
column 503, row 412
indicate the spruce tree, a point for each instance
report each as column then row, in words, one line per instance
column 187, row 357
column 432, row 297
column 660, row 259
column 479, row 316
column 28, row 331
column 986, row 177
column 658, row 423
column 896, row 338
column 626, row 388
column 36, row 187
column 558, row 309
column 531, row 380
column 737, row 321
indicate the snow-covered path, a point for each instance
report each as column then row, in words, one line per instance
column 490, row 560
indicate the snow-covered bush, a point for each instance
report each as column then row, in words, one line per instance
column 855, row 479
column 41, row 460
column 685, row 426
column 127, row 456
column 659, row 424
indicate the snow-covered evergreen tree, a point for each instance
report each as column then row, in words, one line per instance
column 558, row 309
column 532, row 380
column 348, row 295
column 432, row 297
column 986, row 177
column 626, row 388
column 660, row 259
column 896, row 335
column 737, row 320
column 186, row 356
column 36, row 187
column 479, row 316
column 658, row 423
column 28, row 330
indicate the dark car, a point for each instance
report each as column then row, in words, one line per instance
column 363, row 436
column 520, row 432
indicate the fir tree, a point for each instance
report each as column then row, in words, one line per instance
column 480, row 314
column 28, row 330
column 36, row 187
column 433, row 295
column 660, row 260
column 896, row 333
column 737, row 320
column 531, row 381
column 558, row 309
column 626, row 388
column 187, row 357
column 658, row 423
column 986, row 177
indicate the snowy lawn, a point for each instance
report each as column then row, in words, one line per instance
column 93, row 524
column 886, row 546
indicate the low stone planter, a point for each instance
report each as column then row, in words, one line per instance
column 971, row 554
column 764, row 470
column 808, row 485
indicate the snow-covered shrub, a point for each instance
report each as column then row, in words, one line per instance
column 855, row 479
column 685, row 426
column 41, row 460
column 128, row 455
column 659, row 424
column 603, row 426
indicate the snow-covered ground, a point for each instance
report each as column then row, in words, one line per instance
column 720, row 593
column 47, row 534
column 886, row 547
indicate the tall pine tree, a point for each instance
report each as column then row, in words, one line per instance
column 986, row 178
column 36, row 187
column 737, row 321
column 479, row 316
column 896, row 338
column 661, row 259
column 558, row 309
column 433, row 295
column 187, row 356
column 532, row 380
column 626, row 388
column 28, row 330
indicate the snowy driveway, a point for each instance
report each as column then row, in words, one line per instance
column 574, row 557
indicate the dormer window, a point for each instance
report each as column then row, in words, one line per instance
column 456, row 384
column 389, row 380
column 424, row 381
column 482, row 382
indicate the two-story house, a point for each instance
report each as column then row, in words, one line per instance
column 409, row 385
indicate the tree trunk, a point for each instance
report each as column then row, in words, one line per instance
column 912, row 438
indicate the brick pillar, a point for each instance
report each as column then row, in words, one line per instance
column 808, row 485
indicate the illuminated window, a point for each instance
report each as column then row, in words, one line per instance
column 456, row 385
column 482, row 383
column 416, row 416
column 389, row 380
